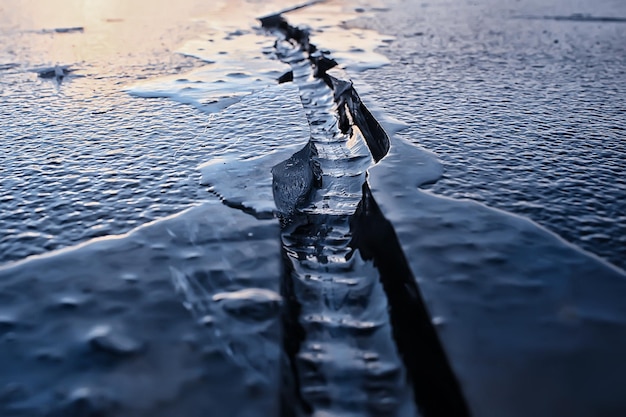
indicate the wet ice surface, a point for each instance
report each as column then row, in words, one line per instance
column 184, row 316
column 530, row 324
column 79, row 156
column 236, row 67
column 180, row 316
column 254, row 155
column 69, row 177
column 83, row 159
column 64, row 183
column 100, row 330
column 340, row 342
column 526, row 115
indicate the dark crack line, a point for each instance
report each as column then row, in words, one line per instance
column 436, row 389
column 341, row 345
column 306, row 231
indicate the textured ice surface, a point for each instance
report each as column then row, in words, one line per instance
column 81, row 158
column 531, row 324
column 100, row 330
column 64, row 183
column 133, row 165
column 85, row 160
column 181, row 317
column 339, row 335
column 525, row 114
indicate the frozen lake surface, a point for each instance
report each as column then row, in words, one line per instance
column 183, row 234
column 523, row 106
column 523, row 103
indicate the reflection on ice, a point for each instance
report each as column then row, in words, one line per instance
column 237, row 67
column 131, row 348
column 530, row 324
column 237, row 54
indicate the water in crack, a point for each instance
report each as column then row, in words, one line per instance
column 86, row 159
column 485, row 269
column 518, row 315
column 346, row 362
column 154, row 358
